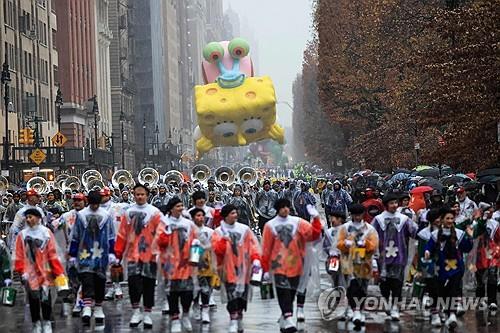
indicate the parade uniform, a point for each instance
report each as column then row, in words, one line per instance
column 264, row 203
column 135, row 243
column 244, row 211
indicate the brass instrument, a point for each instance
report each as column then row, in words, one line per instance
column 248, row 175
column 173, row 176
column 38, row 184
column 201, row 172
column 60, row 181
column 225, row 176
column 95, row 185
column 90, row 175
column 122, row 177
column 4, row 184
column 148, row 176
column 71, row 183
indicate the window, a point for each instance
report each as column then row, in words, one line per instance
column 54, row 39
column 8, row 9
column 42, row 32
column 55, row 71
column 42, row 3
column 30, row 65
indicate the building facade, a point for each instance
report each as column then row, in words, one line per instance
column 122, row 82
column 27, row 43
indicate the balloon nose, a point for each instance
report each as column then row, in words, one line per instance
column 241, row 140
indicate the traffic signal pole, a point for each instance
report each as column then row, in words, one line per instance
column 5, row 82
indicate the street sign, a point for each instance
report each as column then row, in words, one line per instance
column 37, row 156
column 59, row 139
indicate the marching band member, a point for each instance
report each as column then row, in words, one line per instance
column 283, row 245
column 264, row 203
column 32, row 201
column 487, row 230
column 330, row 241
column 134, row 242
column 446, row 247
column 185, row 196
column 37, row 262
column 162, row 198
column 91, row 250
column 241, row 203
column 199, row 199
column 394, row 230
column 467, row 206
column 237, row 249
column 176, row 235
column 357, row 241
column 206, row 273
column 301, row 200
column 62, row 232
column 5, row 275
column 426, row 268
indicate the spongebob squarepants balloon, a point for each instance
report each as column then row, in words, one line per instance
column 234, row 108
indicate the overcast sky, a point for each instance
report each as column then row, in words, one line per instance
column 281, row 29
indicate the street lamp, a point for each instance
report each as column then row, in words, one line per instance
column 59, row 103
column 122, row 122
column 5, row 82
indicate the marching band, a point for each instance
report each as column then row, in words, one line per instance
column 232, row 230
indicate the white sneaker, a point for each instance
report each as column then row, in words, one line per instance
column 196, row 312
column 98, row 315
column 205, row 315
column 86, row 314
column 348, row 314
column 451, row 322
column 37, row 327
column 300, row 314
column 118, row 291
column 394, row 314
column 493, row 309
column 175, row 326
column 76, row 310
column 136, row 318
column 426, row 314
column 356, row 318
column 186, row 322
column 436, row 320
column 233, row 326
column 110, row 295
column 166, row 308
column 289, row 326
column 66, row 308
column 148, row 322
column 46, row 326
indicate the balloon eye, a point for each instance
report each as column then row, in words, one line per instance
column 225, row 130
column 213, row 52
column 238, row 48
column 251, row 131
column 252, row 126
column 228, row 134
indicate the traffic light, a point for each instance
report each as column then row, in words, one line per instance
column 27, row 136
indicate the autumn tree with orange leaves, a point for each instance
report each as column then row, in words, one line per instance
column 391, row 74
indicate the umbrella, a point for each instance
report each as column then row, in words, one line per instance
column 488, row 172
column 399, row 177
column 421, row 189
column 454, row 179
column 422, row 167
column 432, row 172
column 401, row 170
column 472, row 185
column 489, row 179
column 434, row 183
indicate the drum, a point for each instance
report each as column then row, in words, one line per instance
column 256, row 276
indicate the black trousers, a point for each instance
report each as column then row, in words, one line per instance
column 431, row 287
column 262, row 222
column 236, row 306
column 138, row 286
column 185, row 298
column 487, row 283
column 34, row 298
column 286, row 296
column 449, row 289
column 392, row 286
column 93, row 286
column 356, row 291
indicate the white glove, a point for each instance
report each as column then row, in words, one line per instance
column 112, row 258
column 312, row 211
column 7, row 282
column 348, row 243
column 266, row 277
column 361, row 243
column 195, row 242
column 25, row 277
column 256, row 263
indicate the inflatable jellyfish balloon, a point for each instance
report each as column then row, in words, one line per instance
column 234, row 108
